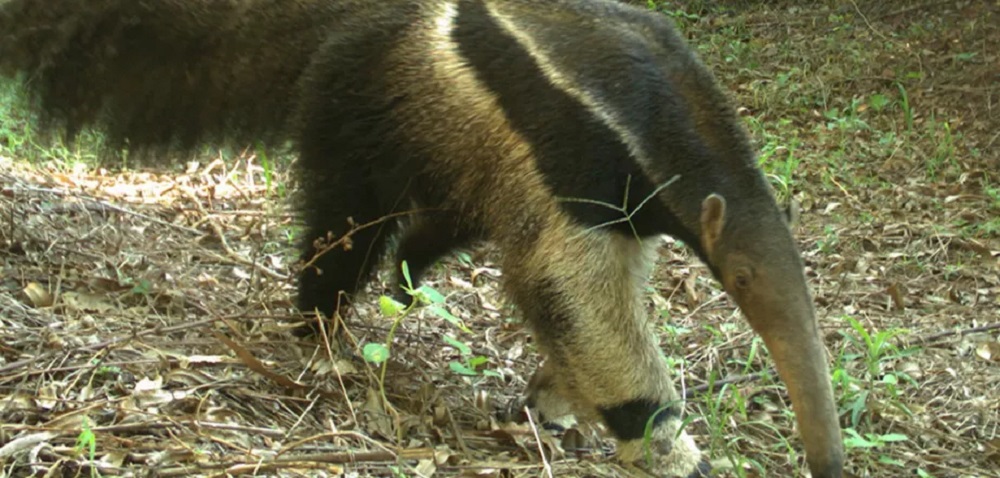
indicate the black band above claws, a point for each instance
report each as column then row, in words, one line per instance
column 704, row 470
column 513, row 411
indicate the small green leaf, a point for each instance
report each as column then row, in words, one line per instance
column 375, row 353
column 492, row 373
column 142, row 287
column 464, row 258
column 265, row 163
column 878, row 101
column 858, row 443
column 458, row 345
column 406, row 273
column 892, row 437
column 461, row 369
column 389, row 306
column 965, row 56
column 444, row 314
column 433, row 296
column 478, row 360
column 855, row 440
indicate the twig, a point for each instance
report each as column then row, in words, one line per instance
column 221, row 235
column 865, row 18
column 752, row 377
column 703, row 305
column 326, row 436
column 911, row 8
column 960, row 332
column 304, row 461
column 456, row 431
column 342, row 240
column 363, row 456
column 541, row 447
column 966, row 89
column 140, row 427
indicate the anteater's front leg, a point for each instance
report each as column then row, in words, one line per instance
column 581, row 294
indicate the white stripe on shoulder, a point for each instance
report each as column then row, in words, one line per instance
column 565, row 83
column 447, row 63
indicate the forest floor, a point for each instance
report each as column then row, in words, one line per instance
column 145, row 316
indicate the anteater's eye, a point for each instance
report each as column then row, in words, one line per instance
column 742, row 277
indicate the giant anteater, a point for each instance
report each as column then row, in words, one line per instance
column 527, row 123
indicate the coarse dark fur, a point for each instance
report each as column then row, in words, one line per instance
column 536, row 125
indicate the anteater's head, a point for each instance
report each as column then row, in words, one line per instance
column 725, row 210
column 751, row 251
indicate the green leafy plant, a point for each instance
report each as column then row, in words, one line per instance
column 873, row 441
column 878, row 102
column 870, row 440
column 873, row 350
column 397, row 472
column 266, row 165
column 471, row 365
column 723, row 407
column 904, row 102
column 86, row 442
column 944, row 152
column 780, row 163
column 378, row 353
column 846, row 118
column 142, row 287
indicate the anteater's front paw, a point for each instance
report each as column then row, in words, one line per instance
column 679, row 458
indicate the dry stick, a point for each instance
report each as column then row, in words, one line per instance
column 221, row 235
column 342, row 240
column 301, row 416
column 78, row 367
column 324, row 436
column 310, row 461
column 140, row 427
column 254, row 469
column 911, row 8
column 73, row 368
column 949, row 333
column 863, row 17
column 541, row 447
column 751, row 377
column 456, row 431
column 361, row 456
column 338, row 326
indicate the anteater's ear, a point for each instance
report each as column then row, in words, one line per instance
column 713, row 218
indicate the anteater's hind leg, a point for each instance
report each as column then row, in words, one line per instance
column 336, row 194
column 336, row 274
column 581, row 294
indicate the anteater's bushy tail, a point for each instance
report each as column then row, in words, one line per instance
column 164, row 74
